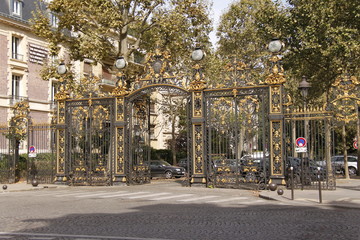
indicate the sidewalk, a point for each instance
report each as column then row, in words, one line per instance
column 23, row 186
column 347, row 194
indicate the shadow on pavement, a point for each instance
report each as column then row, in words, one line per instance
column 205, row 221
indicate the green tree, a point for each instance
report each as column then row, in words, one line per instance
column 101, row 29
column 239, row 34
column 322, row 39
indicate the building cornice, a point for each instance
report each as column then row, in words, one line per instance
column 15, row 22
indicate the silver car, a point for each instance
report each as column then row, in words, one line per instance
column 338, row 162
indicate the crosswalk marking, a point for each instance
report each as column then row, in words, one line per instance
column 98, row 193
column 227, row 199
column 149, row 195
column 195, row 199
column 122, row 195
column 170, row 197
column 67, row 194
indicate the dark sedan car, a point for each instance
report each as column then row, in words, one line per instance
column 161, row 168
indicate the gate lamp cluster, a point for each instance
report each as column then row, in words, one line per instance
column 304, row 87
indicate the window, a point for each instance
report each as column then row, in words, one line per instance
column 54, row 21
column 15, row 87
column 15, row 46
column 54, row 86
column 16, row 7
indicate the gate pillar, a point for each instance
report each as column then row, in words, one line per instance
column 120, row 134
column 275, row 81
column 61, row 170
column 198, row 173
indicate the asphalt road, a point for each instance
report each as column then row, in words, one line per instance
column 166, row 210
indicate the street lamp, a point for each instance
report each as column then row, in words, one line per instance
column 304, row 87
column 275, row 45
column 198, row 54
column 61, row 69
column 121, row 63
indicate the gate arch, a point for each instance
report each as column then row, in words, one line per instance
column 140, row 122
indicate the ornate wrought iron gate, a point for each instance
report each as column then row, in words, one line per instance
column 237, row 147
column 90, row 141
column 140, row 120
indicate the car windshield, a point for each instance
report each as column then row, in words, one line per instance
column 164, row 163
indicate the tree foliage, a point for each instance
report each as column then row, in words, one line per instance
column 101, row 29
column 321, row 37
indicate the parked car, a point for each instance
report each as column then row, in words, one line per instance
column 338, row 163
column 182, row 163
column 309, row 166
column 161, row 168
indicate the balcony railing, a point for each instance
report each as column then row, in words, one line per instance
column 17, row 56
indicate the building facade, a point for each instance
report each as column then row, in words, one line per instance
column 22, row 56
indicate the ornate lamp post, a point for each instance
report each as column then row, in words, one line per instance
column 61, row 96
column 119, row 93
column 275, row 81
column 196, row 87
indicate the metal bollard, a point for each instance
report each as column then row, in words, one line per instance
column 320, row 196
column 292, row 182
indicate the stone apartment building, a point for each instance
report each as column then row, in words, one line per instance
column 22, row 55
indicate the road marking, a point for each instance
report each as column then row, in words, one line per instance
column 149, row 195
column 227, row 199
column 54, row 235
column 67, row 194
column 252, row 202
column 97, row 194
column 122, row 195
column 41, row 238
column 195, row 199
column 170, row 197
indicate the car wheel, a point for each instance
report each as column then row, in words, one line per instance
column 168, row 175
column 352, row 171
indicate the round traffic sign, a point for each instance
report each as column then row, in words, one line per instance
column 300, row 142
column 32, row 149
column 355, row 145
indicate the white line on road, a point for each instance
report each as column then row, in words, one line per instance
column 78, row 236
column 170, row 197
column 227, row 199
column 195, row 199
column 99, row 193
column 72, row 194
column 149, row 195
column 122, row 194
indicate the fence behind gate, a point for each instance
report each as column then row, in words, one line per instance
column 41, row 153
column 313, row 166
column 5, row 156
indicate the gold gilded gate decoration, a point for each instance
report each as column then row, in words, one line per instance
column 96, row 132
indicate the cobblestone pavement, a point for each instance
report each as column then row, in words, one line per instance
column 152, row 212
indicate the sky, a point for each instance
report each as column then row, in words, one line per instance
column 219, row 7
